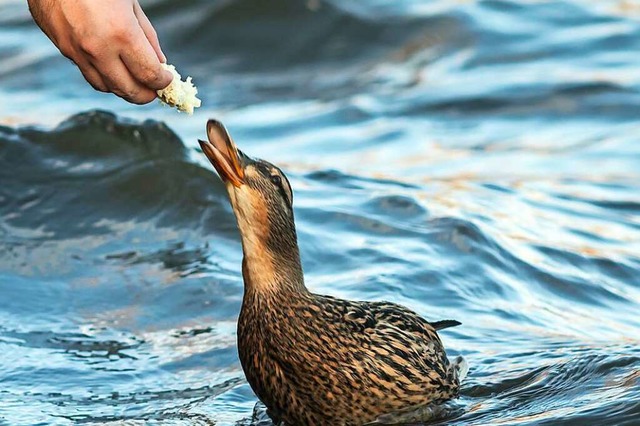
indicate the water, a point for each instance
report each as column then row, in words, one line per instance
column 471, row 160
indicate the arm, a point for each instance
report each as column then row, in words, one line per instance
column 112, row 42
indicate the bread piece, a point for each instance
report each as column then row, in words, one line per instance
column 179, row 94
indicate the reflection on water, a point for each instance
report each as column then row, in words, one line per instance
column 471, row 160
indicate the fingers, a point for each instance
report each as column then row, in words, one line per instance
column 142, row 62
column 113, row 44
column 128, row 66
column 92, row 76
column 103, row 68
column 149, row 31
column 89, row 72
column 120, row 81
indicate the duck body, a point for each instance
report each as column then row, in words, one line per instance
column 317, row 360
column 312, row 359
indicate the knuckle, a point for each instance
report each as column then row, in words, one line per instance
column 67, row 51
column 99, row 87
column 120, row 93
column 146, row 98
column 122, row 34
column 93, row 80
column 91, row 47
column 133, row 96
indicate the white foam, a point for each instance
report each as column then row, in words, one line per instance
column 462, row 367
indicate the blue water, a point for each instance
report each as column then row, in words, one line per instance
column 471, row 160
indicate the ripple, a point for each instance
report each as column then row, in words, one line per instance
column 470, row 160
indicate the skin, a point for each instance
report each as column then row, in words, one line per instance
column 112, row 42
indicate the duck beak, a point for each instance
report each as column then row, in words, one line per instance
column 223, row 154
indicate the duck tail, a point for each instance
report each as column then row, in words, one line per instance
column 441, row 325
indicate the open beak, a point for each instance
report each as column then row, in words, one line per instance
column 222, row 153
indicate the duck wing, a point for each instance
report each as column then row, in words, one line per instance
column 406, row 319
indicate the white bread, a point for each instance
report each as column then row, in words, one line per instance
column 179, row 94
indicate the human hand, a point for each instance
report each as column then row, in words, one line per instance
column 112, row 42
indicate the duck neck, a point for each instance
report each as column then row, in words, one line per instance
column 271, row 271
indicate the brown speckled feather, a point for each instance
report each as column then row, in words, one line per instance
column 317, row 360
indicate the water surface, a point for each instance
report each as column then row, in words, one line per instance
column 472, row 160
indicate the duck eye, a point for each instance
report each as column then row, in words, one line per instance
column 276, row 180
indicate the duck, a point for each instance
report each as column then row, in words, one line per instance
column 316, row 359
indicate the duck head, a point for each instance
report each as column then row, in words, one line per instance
column 262, row 201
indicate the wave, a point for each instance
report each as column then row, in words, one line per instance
column 94, row 168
